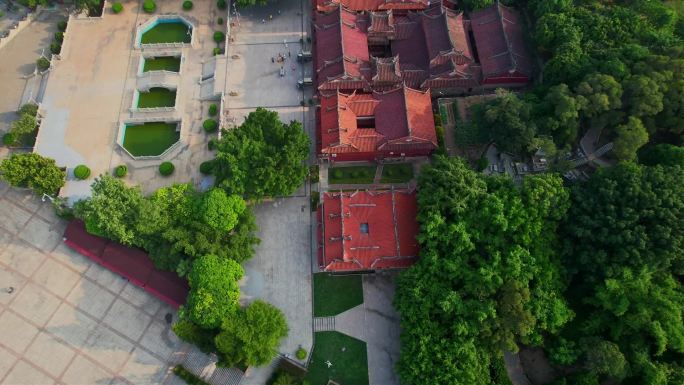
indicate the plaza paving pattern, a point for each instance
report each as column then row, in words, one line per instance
column 71, row 322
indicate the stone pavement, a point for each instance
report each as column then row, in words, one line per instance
column 71, row 322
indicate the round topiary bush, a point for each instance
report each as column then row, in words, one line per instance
column 43, row 64
column 221, row 4
column 219, row 36
column 206, row 167
column 356, row 174
column 149, row 6
column 117, row 7
column 213, row 110
column 187, row 5
column 210, row 125
column 9, row 139
column 121, row 171
column 338, row 174
column 219, row 21
column 216, row 51
column 166, row 168
column 82, row 172
column 300, row 353
column 55, row 48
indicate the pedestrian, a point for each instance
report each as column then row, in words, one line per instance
column 10, row 290
column 263, row 20
column 272, row 59
column 289, row 53
column 270, row 17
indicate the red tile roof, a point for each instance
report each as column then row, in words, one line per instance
column 132, row 263
column 403, row 121
column 366, row 230
column 342, row 57
column 498, row 34
column 372, row 5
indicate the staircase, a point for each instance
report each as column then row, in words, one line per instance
column 324, row 324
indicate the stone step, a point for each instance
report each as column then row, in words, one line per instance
column 322, row 324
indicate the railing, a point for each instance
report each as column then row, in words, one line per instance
column 152, row 109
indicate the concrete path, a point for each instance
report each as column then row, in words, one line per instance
column 19, row 60
column 375, row 322
column 515, row 370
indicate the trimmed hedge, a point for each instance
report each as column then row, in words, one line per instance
column 59, row 36
column 219, row 21
column 9, row 139
column 81, row 172
column 210, row 125
column 213, row 110
column 149, row 6
column 219, row 37
column 206, row 167
column 121, row 171
column 187, row 5
column 186, row 376
column 61, row 25
column 43, row 64
column 117, row 7
column 166, row 168
column 55, row 48
column 216, row 51
column 221, row 4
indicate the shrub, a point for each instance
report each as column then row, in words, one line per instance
column 210, row 125
column 166, row 168
column 55, row 48
column 31, row 170
column 117, row 7
column 219, row 21
column 82, row 172
column 149, row 6
column 187, row 5
column 211, row 145
column 206, row 167
column 26, row 124
column 216, row 51
column 301, row 353
column 43, row 64
column 62, row 25
column 219, row 37
column 213, row 109
column 29, row 109
column 356, row 174
column 221, row 4
column 121, row 171
column 59, row 36
column 188, row 377
column 9, row 139
column 337, row 174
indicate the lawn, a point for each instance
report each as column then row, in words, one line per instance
column 347, row 355
column 174, row 32
column 151, row 138
column 157, row 97
column 334, row 294
column 397, row 173
column 351, row 175
column 163, row 63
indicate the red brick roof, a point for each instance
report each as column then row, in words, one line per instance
column 403, row 120
column 498, row 34
column 372, row 5
column 365, row 230
column 342, row 50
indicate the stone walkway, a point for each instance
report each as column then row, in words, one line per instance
column 71, row 322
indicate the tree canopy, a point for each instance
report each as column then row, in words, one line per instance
column 487, row 277
column 33, row 171
column 262, row 157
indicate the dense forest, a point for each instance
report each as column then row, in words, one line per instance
column 591, row 272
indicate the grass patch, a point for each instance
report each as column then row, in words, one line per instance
column 151, row 138
column 173, row 32
column 334, row 294
column 397, row 173
column 349, row 367
column 163, row 63
column 157, row 97
column 351, row 175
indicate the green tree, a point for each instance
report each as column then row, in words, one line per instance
column 26, row 124
column 214, row 291
column 220, row 211
column 252, row 336
column 600, row 93
column 605, row 357
column 112, row 211
column 507, row 120
column 643, row 96
column 263, row 157
column 630, row 137
column 474, row 5
column 488, row 276
column 33, row 171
